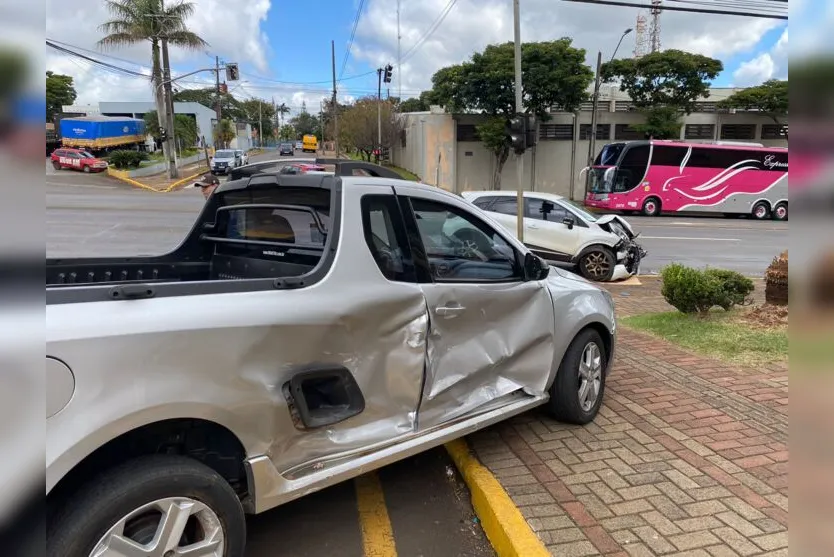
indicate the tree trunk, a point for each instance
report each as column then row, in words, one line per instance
column 169, row 112
column 500, row 159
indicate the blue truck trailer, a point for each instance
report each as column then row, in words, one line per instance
column 99, row 133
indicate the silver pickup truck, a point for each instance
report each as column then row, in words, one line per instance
column 309, row 329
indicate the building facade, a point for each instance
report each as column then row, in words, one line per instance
column 205, row 118
column 443, row 149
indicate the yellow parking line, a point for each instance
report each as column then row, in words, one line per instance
column 377, row 534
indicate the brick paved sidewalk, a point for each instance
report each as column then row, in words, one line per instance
column 688, row 456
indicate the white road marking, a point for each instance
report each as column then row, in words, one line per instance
column 71, row 185
column 685, row 238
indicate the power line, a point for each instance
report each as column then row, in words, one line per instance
column 437, row 22
column 352, row 35
column 94, row 61
column 663, row 7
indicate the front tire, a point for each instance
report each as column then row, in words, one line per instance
column 147, row 503
column 597, row 264
column 651, row 207
column 576, row 394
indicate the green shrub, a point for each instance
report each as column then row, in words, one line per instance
column 126, row 158
column 735, row 287
column 689, row 290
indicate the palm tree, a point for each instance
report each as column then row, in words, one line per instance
column 137, row 21
column 282, row 109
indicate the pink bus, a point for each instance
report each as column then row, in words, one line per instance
column 667, row 176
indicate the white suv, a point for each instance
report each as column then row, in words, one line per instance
column 555, row 229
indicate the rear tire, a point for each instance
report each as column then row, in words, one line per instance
column 597, row 264
column 584, row 366
column 761, row 211
column 56, row 165
column 652, row 207
column 99, row 506
column 780, row 212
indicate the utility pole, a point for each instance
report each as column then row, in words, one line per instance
column 169, row 112
column 379, row 110
column 335, row 102
column 519, row 108
column 399, row 56
column 260, row 124
column 593, row 140
column 217, row 108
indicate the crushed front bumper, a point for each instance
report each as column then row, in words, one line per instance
column 629, row 256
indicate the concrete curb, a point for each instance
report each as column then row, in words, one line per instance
column 122, row 175
column 502, row 521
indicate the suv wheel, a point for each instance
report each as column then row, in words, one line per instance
column 597, row 264
column 158, row 505
column 576, row 394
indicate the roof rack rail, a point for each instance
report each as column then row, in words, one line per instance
column 345, row 167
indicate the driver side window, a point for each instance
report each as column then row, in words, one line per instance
column 461, row 248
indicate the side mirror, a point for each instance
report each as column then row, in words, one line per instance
column 535, row 268
column 569, row 222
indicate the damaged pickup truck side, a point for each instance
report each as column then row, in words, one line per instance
column 309, row 329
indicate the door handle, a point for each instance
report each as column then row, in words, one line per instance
column 533, row 226
column 449, row 311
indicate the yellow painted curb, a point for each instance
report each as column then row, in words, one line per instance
column 124, row 177
column 503, row 523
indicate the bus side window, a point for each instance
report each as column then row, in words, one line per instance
column 664, row 155
column 632, row 168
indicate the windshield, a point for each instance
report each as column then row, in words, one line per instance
column 609, row 155
column 597, row 182
column 577, row 208
column 224, row 154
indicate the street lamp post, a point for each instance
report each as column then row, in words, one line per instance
column 593, row 138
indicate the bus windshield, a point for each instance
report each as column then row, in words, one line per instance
column 610, row 154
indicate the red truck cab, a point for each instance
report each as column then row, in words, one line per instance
column 77, row 159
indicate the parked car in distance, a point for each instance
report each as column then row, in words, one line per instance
column 223, row 161
column 309, row 329
column 77, row 159
column 242, row 157
column 286, row 149
column 603, row 247
column 299, row 145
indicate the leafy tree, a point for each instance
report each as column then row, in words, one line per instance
column 305, row 123
column 417, row 104
column 359, row 125
column 185, row 128
column 59, row 92
column 224, row 133
column 554, row 74
column 256, row 111
column 664, row 85
column 282, row 109
column 229, row 105
column 287, row 132
column 770, row 98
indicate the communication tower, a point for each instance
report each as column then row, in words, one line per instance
column 641, row 44
column 655, row 28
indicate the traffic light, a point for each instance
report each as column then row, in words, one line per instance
column 517, row 132
column 531, row 132
column 388, row 71
column 232, row 72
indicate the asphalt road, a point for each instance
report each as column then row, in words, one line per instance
column 93, row 215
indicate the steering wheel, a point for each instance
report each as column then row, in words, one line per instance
column 473, row 244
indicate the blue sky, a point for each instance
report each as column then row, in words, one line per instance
column 283, row 47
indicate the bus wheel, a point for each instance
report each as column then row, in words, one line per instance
column 651, row 207
column 780, row 212
column 761, row 211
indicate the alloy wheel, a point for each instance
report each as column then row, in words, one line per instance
column 590, row 376
column 164, row 528
column 597, row 265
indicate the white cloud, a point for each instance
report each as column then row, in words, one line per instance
column 755, row 71
column 473, row 24
column 764, row 66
